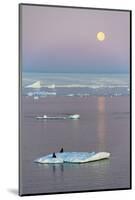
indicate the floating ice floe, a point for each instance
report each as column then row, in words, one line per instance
column 75, row 116
column 72, row 157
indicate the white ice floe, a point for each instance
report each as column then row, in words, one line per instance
column 73, row 157
column 75, row 116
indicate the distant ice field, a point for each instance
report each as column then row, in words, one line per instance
column 77, row 84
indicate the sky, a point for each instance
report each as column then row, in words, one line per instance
column 55, row 39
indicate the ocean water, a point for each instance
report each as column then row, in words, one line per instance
column 77, row 84
column 104, row 125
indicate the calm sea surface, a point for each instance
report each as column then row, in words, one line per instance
column 103, row 126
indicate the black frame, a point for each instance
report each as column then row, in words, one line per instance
column 20, row 87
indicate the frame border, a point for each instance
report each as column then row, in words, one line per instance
column 20, row 90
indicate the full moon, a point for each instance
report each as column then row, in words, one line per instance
column 101, row 36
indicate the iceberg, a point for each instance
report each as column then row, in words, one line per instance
column 35, row 85
column 73, row 157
